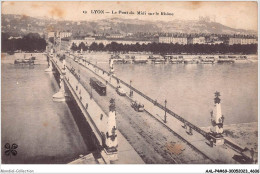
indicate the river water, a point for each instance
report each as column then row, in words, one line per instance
column 189, row 88
column 45, row 131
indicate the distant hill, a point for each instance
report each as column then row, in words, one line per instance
column 182, row 26
column 21, row 25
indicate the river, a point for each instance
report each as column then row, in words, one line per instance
column 45, row 131
column 189, row 88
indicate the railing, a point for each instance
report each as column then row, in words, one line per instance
column 234, row 146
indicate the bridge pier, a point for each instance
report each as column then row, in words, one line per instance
column 50, row 68
column 60, row 95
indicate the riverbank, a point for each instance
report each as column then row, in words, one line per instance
column 150, row 58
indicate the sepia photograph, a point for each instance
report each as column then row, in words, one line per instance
column 129, row 82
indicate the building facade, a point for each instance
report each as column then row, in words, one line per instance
column 198, row 40
column 242, row 41
column 174, row 40
column 64, row 34
column 115, row 36
column 51, row 34
column 87, row 41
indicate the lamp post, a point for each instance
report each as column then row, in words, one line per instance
column 96, row 70
column 90, row 92
column 165, row 102
column 131, row 92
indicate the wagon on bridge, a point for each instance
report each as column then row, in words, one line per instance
column 137, row 106
column 120, row 91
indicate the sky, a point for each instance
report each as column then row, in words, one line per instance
column 239, row 15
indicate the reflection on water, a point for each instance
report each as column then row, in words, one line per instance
column 45, row 131
column 189, row 89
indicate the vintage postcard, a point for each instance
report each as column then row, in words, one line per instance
column 129, row 82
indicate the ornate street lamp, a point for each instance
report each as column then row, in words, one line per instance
column 165, row 102
column 131, row 92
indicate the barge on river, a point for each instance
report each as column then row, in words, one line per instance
column 191, row 61
column 174, row 59
column 224, row 59
column 157, row 59
column 208, row 60
column 29, row 61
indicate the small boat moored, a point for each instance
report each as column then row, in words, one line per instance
column 29, row 61
column 174, row 59
column 224, row 59
column 208, row 60
column 191, row 61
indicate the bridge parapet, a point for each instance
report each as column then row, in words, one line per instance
column 103, row 125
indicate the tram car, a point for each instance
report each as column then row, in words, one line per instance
column 98, row 86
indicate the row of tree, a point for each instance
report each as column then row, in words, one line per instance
column 30, row 42
column 164, row 48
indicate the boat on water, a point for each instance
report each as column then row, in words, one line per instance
column 157, row 59
column 224, row 59
column 29, row 61
column 242, row 59
column 139, row 59
column 116, row 58
column 174, row 59
column 191, row 61
column 128, row 59
column 208, row 60
column 232, row 57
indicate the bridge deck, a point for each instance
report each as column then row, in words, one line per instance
column 136, row 126
column 126, row 154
